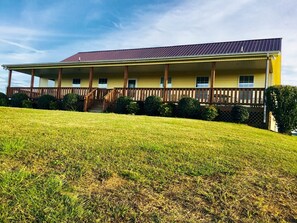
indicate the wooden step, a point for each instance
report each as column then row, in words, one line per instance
column 97, row 107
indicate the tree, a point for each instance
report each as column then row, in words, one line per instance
column 282, row 102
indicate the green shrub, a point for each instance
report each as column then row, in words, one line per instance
column 188, row 108
column 167, row 110
column 44, row 101
column 282, row 102
column 239, row 114
column 133, row 108
column 122, row 104
column 210, row 113
column 71, row 102
column 27, row 104
column 141, row 107
column 54, row 105
column 3, row 99
column 152, row 105
column 17, row 99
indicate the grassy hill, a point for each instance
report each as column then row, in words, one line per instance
column 58, row 166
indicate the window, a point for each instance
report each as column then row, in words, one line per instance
column 76, row 82
column 102, row 83
column 51, row 83
column 202, row 82
column 246, row 81
column 201, row 94
column 169, row 83
column 132, row 83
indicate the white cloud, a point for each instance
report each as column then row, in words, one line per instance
column 20, row 46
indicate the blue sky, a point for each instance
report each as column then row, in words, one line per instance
column 33, row 31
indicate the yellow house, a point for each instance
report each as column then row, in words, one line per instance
column 221, row 73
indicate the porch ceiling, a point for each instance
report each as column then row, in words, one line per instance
column 156, row 68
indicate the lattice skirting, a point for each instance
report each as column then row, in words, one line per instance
column 255, row 119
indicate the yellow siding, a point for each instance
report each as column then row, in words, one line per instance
column 147, row 80
column 113, row 80
column 225, row 77
column 43, row 82
column 187, row 80
column 276, row 67
column 231, row 79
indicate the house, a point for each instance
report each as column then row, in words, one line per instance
column 221, row 73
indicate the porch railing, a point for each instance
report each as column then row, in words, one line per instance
column 219, row 96
column 110, row 98
column 226, row 96
column 54, row 91
column 242, row 96
column 89, row 99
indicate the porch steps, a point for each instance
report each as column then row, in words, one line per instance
column 97, row 107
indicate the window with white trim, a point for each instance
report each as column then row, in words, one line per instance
column 246, row 81
column 102, row 83
column 51, row 82
column 169, row 82
column 202, row 82
column 76, row 82
column 132, row 83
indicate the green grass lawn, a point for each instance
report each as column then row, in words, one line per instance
column 58, row 166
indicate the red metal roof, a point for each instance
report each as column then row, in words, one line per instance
column 206, row 49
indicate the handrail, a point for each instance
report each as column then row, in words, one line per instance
column 89, row 99
column 110, row 98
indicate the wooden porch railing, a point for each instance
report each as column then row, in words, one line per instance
column 89, row 99
column 219, row 96
column 38, row 91
column 110, row 98
column 223, row 96
column 54, row 91
column 242, row 96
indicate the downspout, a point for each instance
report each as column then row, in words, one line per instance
column 266, row 86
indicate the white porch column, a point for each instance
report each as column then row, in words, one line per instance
column 266, row 86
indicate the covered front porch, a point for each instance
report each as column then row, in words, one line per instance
column 170, row 81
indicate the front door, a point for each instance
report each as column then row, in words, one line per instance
column 132, row 83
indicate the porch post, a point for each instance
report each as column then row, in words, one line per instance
column 32, row 82
column 166, row 72
column 59, row 83
column 91, row 74
column 212, row 80
column 266, row 86
column 9, row 82
column 125, row 80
